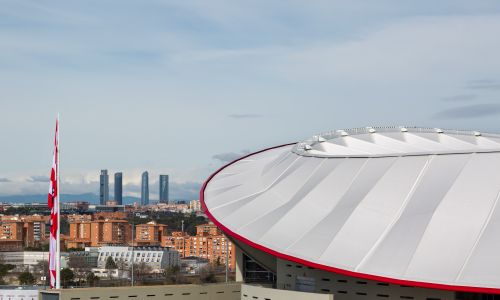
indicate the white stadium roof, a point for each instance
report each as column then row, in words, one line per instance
column 404, row 205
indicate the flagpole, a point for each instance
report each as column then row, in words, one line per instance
column 58, row 241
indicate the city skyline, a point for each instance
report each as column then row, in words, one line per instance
column 263, row 73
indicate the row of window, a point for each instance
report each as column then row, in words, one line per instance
column 127, row 254
column 153, row 295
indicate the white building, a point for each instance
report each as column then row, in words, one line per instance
column 367, row 213
column 157, row 258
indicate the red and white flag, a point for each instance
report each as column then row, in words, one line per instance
column 53, row 200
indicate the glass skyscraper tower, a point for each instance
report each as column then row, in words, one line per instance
column 103, row 187
column 118, row 188
column 163, row 188
column 145, row 189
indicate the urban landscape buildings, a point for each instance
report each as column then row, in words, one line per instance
column 145, row 188
column 163, row 189
column 118, row 188
column 104, row 187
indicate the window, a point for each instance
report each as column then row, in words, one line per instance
column 361, row 293
column 382, row 295
column 361, row 282
column 325, row 279
column 406, row 297
column 342, row 280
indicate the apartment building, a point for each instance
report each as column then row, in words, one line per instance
column 209, row 243
column 99, row 232
column 11, row 235
column 23, row 231
column 150, row 234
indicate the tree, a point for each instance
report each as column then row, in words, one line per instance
column 110, row 264
column 66, row 276
column 141, row 269
column 92, row 279
column 79, row 265
column 4, row 268
column 26, row 278
column 42, row 269
column 207, row 275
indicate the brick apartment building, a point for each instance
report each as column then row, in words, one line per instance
column 150, row 234
column 111, row 229
column 22, row 231
column 11, row 235
column 209, row 243
column 98, row 233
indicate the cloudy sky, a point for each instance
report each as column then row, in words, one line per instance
column 178, row 87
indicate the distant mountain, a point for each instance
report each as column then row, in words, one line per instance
column 89, row 197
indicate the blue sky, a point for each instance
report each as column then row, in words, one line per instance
column 177, row 87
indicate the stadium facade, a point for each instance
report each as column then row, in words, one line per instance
column 367, row 213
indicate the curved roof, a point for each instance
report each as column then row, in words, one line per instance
column 403, row 205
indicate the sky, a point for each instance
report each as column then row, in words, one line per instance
column 182, row 87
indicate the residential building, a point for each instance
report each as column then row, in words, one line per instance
column 99, row 232
column 195, row 205
column 103, row 187
column 11, row 235
column 209, row 243
column 118, row 188
column 34, row 232
column 145, row 189
column 150, row 234
column 163, row 189
column 34, row 228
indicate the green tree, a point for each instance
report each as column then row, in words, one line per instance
column 110, row 264
column 26, row 278
column 92, row 279
column 66, row 276
column 4, row 268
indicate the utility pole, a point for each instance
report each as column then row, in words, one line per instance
column 133, row 259
column 227, row 258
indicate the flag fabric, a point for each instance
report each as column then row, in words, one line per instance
column 53, row 202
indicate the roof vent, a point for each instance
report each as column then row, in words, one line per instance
column 403, row 129
column 343, row 133
column 307, row 147
column 319, row 139
column 477, row 133
column 438, row 130
column 371, row 130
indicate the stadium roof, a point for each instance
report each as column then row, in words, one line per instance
column 410, row 206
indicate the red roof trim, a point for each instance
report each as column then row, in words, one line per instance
column 430, row 285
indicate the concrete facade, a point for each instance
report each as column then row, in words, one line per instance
column 156, row 257
column 293, row 276
column 258, row 292
column 230, row 291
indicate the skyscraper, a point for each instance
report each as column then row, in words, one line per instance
column 103, row 187
column 163, row 188
column 118, row 188
column 145, row 189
